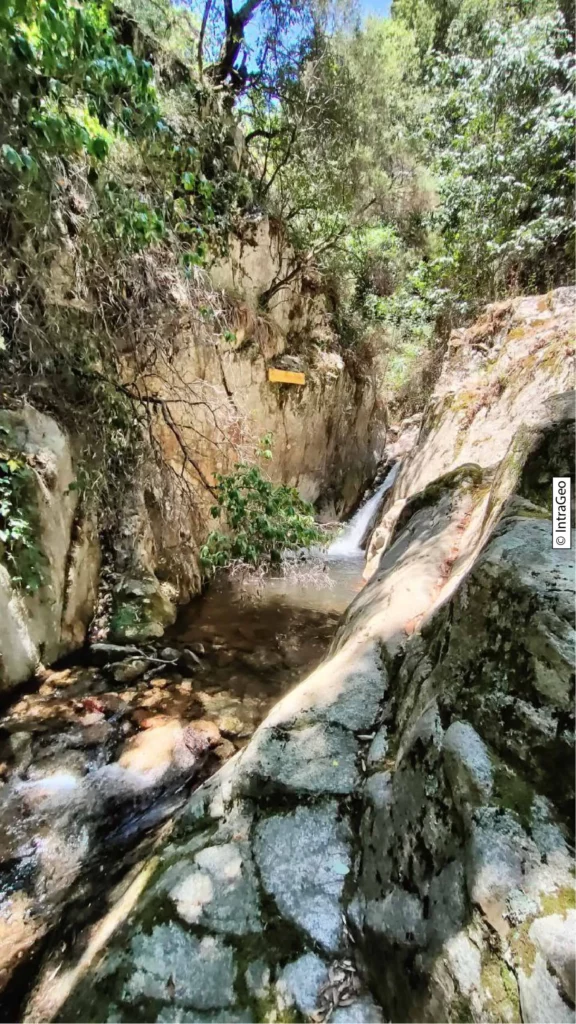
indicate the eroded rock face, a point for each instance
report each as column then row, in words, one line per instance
column 467, row 846
column 498, row 376
column 406, row 808
column 51, row 622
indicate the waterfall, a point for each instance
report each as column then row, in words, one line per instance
column 349, row 543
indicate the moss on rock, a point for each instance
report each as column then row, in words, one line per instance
column 468, row 474
column 142, row 609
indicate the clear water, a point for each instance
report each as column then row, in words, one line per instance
column 349, row 543
column 69, row 831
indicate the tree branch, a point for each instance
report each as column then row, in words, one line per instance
column 205, row 17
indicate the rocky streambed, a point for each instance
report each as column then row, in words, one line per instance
column 97, row 755
column 395, row 840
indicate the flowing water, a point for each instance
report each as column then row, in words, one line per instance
column 94, row 768
column 349, row 543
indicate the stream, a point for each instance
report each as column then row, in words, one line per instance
column 97, row 758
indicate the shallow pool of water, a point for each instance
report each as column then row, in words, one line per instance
column 74, row 812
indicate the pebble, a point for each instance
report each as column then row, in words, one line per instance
column 169, row 654
column 92, row 718
column 190, row 660
column 154, row 698
column 127, row 671
column 230, row 725
column 96, row 734
column 224, row 750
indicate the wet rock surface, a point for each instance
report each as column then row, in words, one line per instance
column 394, row 841
column 99, row 755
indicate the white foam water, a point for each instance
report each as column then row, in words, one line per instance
column 349, row 543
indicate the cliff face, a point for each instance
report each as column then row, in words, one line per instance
column 394, row 841
column 198, row 359
column 493, row 389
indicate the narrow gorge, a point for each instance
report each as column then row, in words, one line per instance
column 287, row 583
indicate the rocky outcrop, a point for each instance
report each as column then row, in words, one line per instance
column 52, row 621
column 217, row 403
column 394, row 842
column 261, row 258
column 496, row 379
column 199, row 359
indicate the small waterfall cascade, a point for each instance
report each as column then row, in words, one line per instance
column 349, row 543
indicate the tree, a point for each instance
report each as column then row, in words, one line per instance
column 443, row 26
column 502, row 138
column 276, row 29
column 332, row 146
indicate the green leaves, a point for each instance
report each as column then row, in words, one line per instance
column 502, row 138
column 98, row 147
column 263, row 519
column 58, row 58
column 18, row 522
column 12, row 158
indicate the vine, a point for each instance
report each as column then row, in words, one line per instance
column 19, row 549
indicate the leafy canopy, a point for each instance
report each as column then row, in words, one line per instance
column 63, row 79
column 502, row 137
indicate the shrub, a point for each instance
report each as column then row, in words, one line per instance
column 263, row 521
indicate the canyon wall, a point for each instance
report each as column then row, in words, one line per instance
column 394, row 842
column 198, row 358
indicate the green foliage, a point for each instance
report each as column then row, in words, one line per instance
column 19, row 549
column 72, row 94
column 502, row 135
column 488, row 104
column 422, row 163
column 331, row 143
column 63, row 77
column 441, row 26
column 174, row 28
column 263, row 520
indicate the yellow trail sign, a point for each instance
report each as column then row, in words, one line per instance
column 286, row 377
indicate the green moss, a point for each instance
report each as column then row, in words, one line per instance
column 500, row 985
column 126, row 621
column 460, row 440
column 509, row 471
column 140, row 611
column 523, row 949
column 513, row 793
column 266, row 1009
column 463, row 400
column 524, row 509
column 559, row 902
column 461, row 1012
column 550, row 358
column 469, row 473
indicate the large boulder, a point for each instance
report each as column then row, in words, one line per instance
column 52, row 621
column 498, row 376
